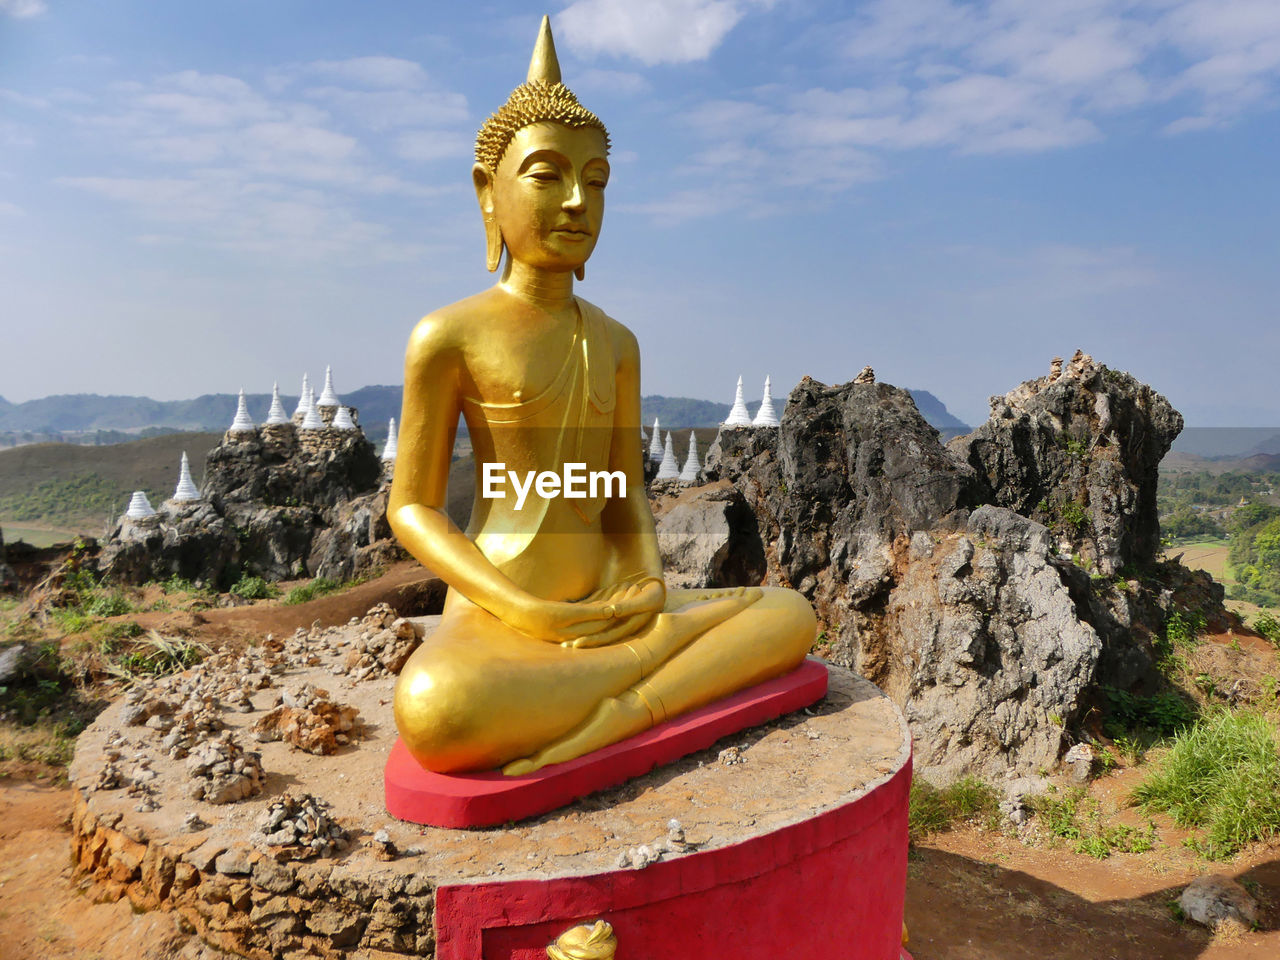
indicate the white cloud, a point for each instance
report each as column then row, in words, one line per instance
column 656, row 31
column 428, row 145
column 23, row 9
column 375, row 72
column 8, row 209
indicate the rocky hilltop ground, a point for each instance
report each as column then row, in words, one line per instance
column 989, row 585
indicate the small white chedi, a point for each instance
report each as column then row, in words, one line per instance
column 328, row 398
column 668, row 469
column 342, row 420
column 766, row 416
column 139, row 506
column 186, row 489
column 304, row 398
column 389, row 450
column 242, row 422
column 655, row 448
column 738, row 416
column 312, row 420
column 276, row 415
column 692, row 466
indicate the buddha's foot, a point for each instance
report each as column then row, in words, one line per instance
column 615, row 719
column 672, row 631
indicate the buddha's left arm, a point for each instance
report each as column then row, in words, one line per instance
column 628, row 520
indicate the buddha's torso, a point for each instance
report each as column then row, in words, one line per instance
column 539, row 391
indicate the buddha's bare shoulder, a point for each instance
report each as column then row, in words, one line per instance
column 453, row 325
column 625, row 344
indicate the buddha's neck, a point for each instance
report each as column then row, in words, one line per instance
column 547, row 289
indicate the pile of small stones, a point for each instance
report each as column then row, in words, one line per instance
column 382, row 646
column 300, row 827
column 222, row 771
column 308, row 720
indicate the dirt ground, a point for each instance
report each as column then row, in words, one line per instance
column 971, row 894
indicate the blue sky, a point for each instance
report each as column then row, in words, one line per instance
column 196, row 197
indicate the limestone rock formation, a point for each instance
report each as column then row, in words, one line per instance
column 277, row 503
column 708, row 538
column 1079, row 451
column 928, row 567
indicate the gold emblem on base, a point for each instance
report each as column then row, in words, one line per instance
column 585, row 942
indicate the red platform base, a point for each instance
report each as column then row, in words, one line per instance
column 829, row 887
column 485, row 799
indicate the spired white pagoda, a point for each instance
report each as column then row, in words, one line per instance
column 276, row 414
column 692, row 466
column 312, row 420
column 766, row 417
column 655, row 447
column 389, row 450
column 327, row 396
column 242, row 423
column 342, row 420
column 668, row 469
column 738, row 416
column 186, row 489
column 139, row 506
column 304, row 398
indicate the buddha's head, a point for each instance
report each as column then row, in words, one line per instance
column 541, row 169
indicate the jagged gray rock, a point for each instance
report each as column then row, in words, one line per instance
column 279, row 503
column 708, row 538
column 1079, row 450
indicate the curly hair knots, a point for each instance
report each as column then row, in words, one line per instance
column 532, row 102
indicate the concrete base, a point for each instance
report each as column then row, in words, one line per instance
column 797, row 850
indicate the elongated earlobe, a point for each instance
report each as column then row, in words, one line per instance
column 492, row 243
column 581, row 272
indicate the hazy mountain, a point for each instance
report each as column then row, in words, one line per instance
column 1236, row 442
column 90, row 418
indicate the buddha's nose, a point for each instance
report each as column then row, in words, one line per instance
column 576, row 199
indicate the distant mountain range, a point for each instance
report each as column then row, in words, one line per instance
column 90, row 418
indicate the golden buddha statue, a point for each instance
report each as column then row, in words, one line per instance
column 558, row 635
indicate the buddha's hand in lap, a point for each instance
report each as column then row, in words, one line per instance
column 602, row 618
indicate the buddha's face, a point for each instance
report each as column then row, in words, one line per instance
column 548, row 194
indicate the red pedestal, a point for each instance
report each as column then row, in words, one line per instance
column 829, row 887
column 485, row 799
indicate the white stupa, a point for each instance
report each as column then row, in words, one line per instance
column 139, row 506
column 342, row 420
column 242, row 423
column 303, row 398
column 668, row 469
column 692, row 466
column 312, row 420
column 766, row 417
column 655, row 447
column 644, row 437
column 276, row 414
column 187, row 489
column 738, row 416
column 389, row 451
column 327, row 397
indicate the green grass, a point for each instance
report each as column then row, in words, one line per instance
column 1221, row 775
column 155, row 656
column 319, row 587
column 934, row 809
column 1077, row 818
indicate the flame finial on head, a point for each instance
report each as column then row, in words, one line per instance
column 544, row 65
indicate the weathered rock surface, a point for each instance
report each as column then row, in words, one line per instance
column 929, row 571
column 1079, row 451
column 708, row 537
column 279, row 503
column 1214, row 898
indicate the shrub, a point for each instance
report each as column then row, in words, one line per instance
column 319, row 587
column 157, row 655
column 112, row 604
column 1267, row 625
column 933, row 809
column 254, row 588
column 1222, row 775
column 1163, row 714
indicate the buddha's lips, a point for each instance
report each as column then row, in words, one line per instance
column 580, row 231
